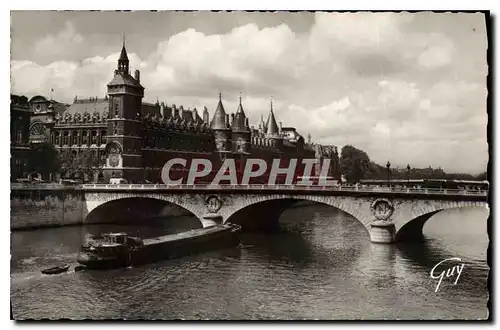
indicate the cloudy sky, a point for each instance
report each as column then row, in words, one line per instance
column 409, row 88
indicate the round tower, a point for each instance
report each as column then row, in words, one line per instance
column 272, row 131
column 221, row 129
column 240, row 131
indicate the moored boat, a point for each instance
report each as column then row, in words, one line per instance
column 114, row 250
column 56, row 270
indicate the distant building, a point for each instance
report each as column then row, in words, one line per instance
column 132, row 139
column 19, row 136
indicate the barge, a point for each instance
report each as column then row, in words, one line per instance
column 115, row 250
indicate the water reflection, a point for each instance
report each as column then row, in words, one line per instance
column 319, row 265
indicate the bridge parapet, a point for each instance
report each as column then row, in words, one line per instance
column 284, row 187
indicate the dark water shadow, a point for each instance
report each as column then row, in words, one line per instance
column 298, row 238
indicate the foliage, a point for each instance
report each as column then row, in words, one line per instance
column 42, row 158
column 354, row 164
column 76, row 166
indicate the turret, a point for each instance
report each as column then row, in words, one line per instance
column 123, row 63
column 195, row 114
column 240, row 131
column 138, row 76
column 272, row 130
column 206, row 116
column 271, row 125
column 219, row 126
column 262, row 125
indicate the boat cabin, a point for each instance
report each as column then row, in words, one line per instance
column 116, row 238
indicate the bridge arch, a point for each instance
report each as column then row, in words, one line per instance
column 138, row 205
column 270, row 207
column 410, row 228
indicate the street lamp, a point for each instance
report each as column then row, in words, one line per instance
column 408, row 168
column 388, row 165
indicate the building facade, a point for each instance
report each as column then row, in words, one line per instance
column 131, row 139
column 19, row 136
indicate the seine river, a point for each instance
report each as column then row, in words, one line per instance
column 320, row 265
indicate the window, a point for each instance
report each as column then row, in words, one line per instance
column 117, row 108
column 75, row 138
column 103, row 137
column 85, row 139
column 65, row 138
column 19, row 138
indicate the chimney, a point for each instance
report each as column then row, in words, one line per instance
column 227, row 120
column 281, row 126
column 246, row 122
column 232, row 118
column 138, row 76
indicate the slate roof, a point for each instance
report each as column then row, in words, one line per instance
column 99, row 105
column 123, row 78
column 272, row 126
column 239, row 121
column 219, row 118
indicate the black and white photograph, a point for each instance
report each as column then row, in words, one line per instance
column 238, row 165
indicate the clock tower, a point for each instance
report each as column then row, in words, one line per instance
column 123, row 137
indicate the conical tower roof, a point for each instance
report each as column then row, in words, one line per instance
column 239, row 119
column 272, row 126
column 123, row 54
column 219, row 118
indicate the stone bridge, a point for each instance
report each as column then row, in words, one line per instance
column 389, row 214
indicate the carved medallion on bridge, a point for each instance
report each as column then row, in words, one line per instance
column 213, row 203
column 382, row 209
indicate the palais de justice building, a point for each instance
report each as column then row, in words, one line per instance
column 133, row 139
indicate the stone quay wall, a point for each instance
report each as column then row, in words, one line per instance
column 35, row 206
column 56, row 205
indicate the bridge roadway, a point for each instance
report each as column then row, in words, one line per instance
column 389, row 214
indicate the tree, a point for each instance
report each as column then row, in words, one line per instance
column 43, row 159
column 354, row 164
column 78, row 165
column 67, row 166
column 87, row 163
column 483, row 176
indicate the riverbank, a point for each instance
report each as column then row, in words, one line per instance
column 56, row 205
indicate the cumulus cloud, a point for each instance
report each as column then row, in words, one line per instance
column 379, row 81
column 67, row 39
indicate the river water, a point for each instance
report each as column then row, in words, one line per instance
column 320, row 265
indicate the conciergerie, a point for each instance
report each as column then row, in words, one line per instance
column 254, row 167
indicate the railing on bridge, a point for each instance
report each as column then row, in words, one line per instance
column 225, row 187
